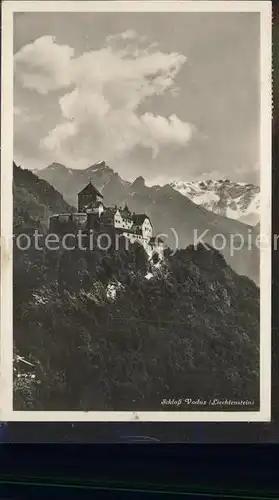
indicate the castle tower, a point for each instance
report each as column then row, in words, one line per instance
column 88, row 197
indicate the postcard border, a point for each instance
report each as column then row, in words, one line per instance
column 8, row 8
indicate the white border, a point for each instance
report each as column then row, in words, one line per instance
column 8, row 8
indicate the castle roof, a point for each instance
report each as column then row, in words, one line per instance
column 139, row 219
column 126, row 215
column 109, row 212
column 90, row 189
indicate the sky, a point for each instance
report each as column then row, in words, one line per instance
column 162, row 95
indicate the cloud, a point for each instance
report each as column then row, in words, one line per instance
column 44, row 65
column 128, row 35
column 63, row 131
column 23, row 116
column 101, row 95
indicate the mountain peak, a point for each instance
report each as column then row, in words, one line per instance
column 56, row 166
column 139, row 182
column 98, row 166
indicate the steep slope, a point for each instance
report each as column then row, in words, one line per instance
column 35, row 199
column 236, row 200
column 191, row 332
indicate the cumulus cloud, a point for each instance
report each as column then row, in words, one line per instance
column 101, row 94
column 44, row 65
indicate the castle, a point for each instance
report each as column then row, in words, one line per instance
column 93, row 214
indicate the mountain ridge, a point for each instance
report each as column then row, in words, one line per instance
column 235, row 200
column 170, row 211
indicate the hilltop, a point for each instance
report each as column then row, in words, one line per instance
column 110, row 330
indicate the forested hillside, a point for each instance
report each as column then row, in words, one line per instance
column 113, row 331
column 34, row 199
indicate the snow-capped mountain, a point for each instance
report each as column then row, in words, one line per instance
column 167, row 207
column 236, row 200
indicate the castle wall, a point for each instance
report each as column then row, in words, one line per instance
column 102, row 219
column 147, row 229
column 134, row 237
column 120, row 222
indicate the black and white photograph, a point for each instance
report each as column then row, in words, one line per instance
column 136, row 211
